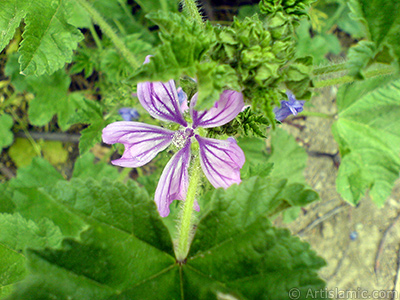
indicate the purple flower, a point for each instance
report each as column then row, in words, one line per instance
column 128, row 113
column 291, row 107
column 221, row 160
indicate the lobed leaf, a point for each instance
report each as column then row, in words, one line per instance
column 367, row 132
column 48, row 38
column 127, row 254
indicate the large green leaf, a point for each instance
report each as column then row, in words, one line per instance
column 38, row 174
column 127, row 253
column 16, row 234
column 382, row 21
column 288, row 157
column 368, row 134
column 86, row 167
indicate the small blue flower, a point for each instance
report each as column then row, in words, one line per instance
column 129, row 114
column 291, row 107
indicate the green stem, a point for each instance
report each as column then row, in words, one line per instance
column 108, row 31
column 126, row 10
column 190, row 7
column 317, row 114
column 329, row 69
column 35, row 146
column 185, row 230
column 95, row 37
column 349, row 79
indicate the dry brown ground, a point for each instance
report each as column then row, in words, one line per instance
column 372, row 260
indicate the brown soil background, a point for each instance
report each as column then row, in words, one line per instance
column 369, row 263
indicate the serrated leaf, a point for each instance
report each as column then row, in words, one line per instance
column 48, row 39
column 91, row 135
column 235, row 251
column 38, row 174
column 36, row 205
column 367, row 132
column 11, row 14
column 12, row 269
column 85, row 167
column 16, row 234
column 6, row 135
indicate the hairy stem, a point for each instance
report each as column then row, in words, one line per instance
column 185, row 230
column 349, row 79
column 329, row 69
column 190, row 8
column 108, row 31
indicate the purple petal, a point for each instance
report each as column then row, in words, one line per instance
column 142, row 142
column 229, row 105
column 174, row 180
column 221, row 161
column 161, row 101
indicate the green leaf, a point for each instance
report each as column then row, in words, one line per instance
column 36, row 205
column 212, row 80
column 184, row 45
column 288, row 157
column 317, row 46
column 16, row 234
column 6, row 204
column 51, row 93
column 235, row 250
column 11, row 14
column 54, row 152
column 116, row 67
column 22, row 152
column 382, row 21
column 12, row 269
column 52, row 98
column 91, row 135
column 48, row 40
column 6, row 135
column 367, row 132
column 38, row 174
column 85, row 167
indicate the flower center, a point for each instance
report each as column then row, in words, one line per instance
column 181, row 136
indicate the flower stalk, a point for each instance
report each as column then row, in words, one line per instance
column 108, row 31
column 349, row 79
column 186, row 224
